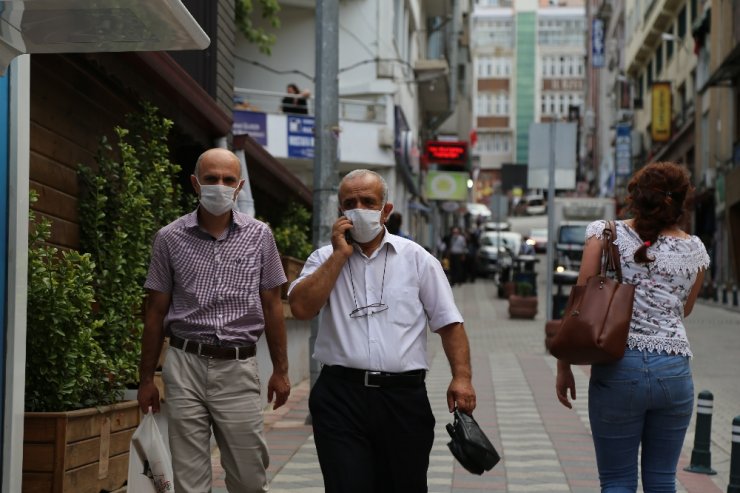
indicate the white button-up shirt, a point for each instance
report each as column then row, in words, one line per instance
column 416, row 291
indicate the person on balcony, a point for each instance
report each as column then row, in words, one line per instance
column 296, row 101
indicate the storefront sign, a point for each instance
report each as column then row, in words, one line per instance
column 444, row 152
column 250, row 123
column 300, row 137
column 447, row 185
column 661, row 112
column 597, row 43
column 623, row 149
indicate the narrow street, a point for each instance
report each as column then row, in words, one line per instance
column 545, row 447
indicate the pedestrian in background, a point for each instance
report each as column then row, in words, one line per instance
column 376, row 295
column 456, row 251
column 214, row 287
column 394, row 223
column 644, row 401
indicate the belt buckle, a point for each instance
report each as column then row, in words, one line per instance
column 367, row 374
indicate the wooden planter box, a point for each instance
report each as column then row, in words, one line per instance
column 522, row 306
column 83, row 451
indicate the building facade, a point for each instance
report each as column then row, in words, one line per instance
column 529, row 67
column 403, row 78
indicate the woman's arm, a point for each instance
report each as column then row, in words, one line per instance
column 565, row 383
column 590, row 261
column 693, row 294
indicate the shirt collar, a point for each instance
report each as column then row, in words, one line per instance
column 391, row 240
column 237, row 219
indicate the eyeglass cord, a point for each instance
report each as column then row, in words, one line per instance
column 382, row 282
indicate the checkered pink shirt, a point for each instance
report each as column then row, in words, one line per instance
column 215, row 283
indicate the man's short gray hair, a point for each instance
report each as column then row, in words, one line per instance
column 358, row 173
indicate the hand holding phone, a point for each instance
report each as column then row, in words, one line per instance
column 347, row 235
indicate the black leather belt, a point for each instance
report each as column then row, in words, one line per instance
column 209, row 351
column 382, row 379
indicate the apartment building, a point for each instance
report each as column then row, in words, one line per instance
column 529, row 67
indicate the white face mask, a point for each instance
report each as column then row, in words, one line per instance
column 217, row 199
column 365, row 224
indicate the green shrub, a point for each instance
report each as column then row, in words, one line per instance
column 293, row 232
column 123, row 203
column 65, row 366
column 524, row 289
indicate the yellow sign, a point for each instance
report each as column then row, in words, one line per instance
column 662, row 110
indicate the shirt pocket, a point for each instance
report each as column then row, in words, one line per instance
column 242, row 274
column 404, row 305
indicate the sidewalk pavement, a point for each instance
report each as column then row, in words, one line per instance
column 544, row 446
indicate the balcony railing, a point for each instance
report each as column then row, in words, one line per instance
column 373, row 111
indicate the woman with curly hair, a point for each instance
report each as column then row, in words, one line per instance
column 645, row 400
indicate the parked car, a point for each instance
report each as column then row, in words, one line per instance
column 477, row 210
column 494, row 254
column 497, row 226
column 535, row 205
column 538, row 237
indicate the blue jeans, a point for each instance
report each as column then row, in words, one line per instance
column 645, row 398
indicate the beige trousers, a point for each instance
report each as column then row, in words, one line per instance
column 223, row 395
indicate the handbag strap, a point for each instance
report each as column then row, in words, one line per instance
column 609, row 252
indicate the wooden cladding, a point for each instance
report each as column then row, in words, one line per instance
column 493, row 85
column 71, row 109
column 493, row 122
column 564, row 85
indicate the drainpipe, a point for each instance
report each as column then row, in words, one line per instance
column 245, row 199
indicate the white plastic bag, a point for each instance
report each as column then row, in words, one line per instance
column 149, row 465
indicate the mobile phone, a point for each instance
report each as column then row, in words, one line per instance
column 347, row 236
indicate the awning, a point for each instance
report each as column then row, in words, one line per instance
column 728, row 71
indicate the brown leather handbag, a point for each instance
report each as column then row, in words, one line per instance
column 597, row 317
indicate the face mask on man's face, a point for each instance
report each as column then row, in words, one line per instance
column 217, row 199
column 365, row 224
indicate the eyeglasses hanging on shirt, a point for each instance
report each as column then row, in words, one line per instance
column 372, row 308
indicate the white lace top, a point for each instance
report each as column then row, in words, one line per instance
column 661, row 286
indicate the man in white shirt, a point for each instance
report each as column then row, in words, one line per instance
column 373, row 424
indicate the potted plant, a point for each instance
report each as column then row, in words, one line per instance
column 84, row 318
column 523, row 303
column 293, row 239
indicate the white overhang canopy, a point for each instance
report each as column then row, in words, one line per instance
column 82, row 26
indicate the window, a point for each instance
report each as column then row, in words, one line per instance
column 659, row 59
column 681, row 24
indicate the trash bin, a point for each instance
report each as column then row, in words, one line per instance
column 528, row 277
column 560, row 298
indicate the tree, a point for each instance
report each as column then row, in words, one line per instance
column 245, row 11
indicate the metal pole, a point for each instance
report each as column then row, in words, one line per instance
column 326, row 131
column 701, row 457
column 734, row 486
column 550, row 223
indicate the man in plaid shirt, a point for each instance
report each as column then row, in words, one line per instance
column 214, row 287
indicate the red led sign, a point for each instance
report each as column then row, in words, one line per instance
column 444, row 152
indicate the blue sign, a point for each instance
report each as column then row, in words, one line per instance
column 250, row 123
column 300, row 136
column 623, row 149
column 597, row 43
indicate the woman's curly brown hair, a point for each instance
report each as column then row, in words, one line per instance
column 659, row 196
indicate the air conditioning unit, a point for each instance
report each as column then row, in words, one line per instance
column 385, row 137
